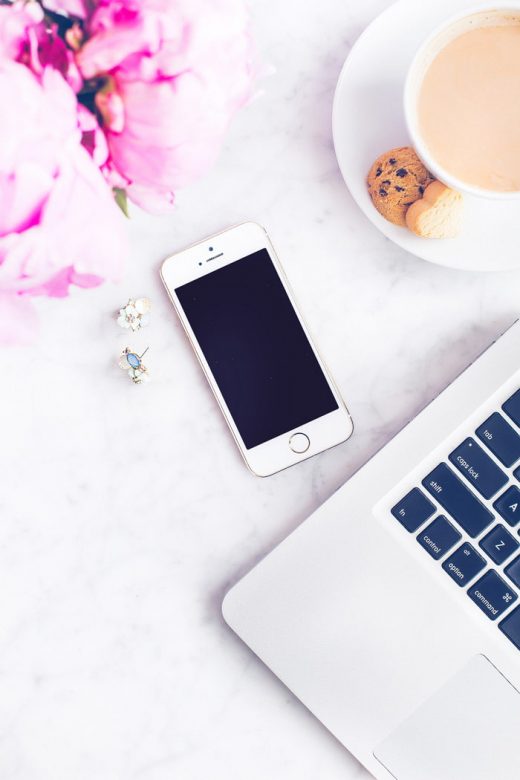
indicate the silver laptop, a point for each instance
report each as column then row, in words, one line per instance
column 393, row 612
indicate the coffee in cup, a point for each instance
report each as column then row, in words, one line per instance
column 463, row 102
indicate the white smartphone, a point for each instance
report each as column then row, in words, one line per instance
column 240, row 315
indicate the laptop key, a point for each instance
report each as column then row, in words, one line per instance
column 510, row 626
column 464, row 564
column 499, row 544
column 438, row 537
column 457, row 500
column 512, row 407
column 500, row 438
column 492, row 595
column 508, row 505
column 478, row 468
column 513, row 571
column 413, row 510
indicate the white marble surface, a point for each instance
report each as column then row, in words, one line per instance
column 126, row 511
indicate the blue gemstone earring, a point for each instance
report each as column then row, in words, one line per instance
column 132, row 363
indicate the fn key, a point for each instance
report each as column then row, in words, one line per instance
column 413, row 510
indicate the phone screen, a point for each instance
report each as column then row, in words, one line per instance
column 256, row 348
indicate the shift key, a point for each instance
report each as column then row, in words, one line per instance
column 457, row 500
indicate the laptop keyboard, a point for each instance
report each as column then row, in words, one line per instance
column 477, row 471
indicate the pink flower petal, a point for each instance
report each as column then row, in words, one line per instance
column 58, row 285
column 76, row 8
column 15, row 22
column 151, row 199
column 92, row 137
column 110, row 47
column 22, row 194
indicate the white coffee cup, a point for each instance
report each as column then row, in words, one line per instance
column 453, row 27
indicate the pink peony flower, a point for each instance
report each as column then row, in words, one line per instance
column 58, row 223
column 175, row 73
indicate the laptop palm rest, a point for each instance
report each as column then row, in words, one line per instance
column 468, row 730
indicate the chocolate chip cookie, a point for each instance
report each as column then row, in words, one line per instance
column 395, row 181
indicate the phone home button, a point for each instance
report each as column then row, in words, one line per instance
column 299, row 443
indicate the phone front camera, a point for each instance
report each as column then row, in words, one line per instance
column 211, row 249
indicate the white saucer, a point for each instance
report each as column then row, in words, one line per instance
column 368, row 119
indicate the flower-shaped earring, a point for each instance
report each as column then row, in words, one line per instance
column 132, row 363
column 136, row 314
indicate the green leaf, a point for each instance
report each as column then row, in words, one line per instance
column 121, row 200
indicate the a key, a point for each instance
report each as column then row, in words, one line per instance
column 501, row 438
column 438, row 537
column 478, row 468
column 457, row 500
column 499, row 544
column 508, row 505
column 464, row 564
column 511, row 627
column 492, row 595
column 413, row 510
column 513, row 571
column 512, row 407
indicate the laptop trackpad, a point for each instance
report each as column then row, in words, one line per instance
column 468, row 730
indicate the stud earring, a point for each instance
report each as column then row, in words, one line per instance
column 132, row 363
column 136, row 314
